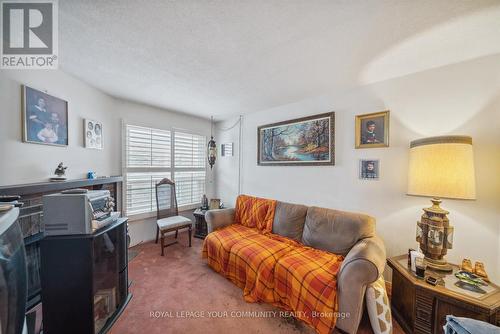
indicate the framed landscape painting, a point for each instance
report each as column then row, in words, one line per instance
column 307, row 141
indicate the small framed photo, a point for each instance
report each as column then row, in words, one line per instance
column 369, row 169
column 92, row 131
column 45, row 118
column 372, row 130
column 214, row 203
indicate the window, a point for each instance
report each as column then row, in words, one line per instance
column 189, row 171
column 149, row 158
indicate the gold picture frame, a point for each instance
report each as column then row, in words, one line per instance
column 372, row 130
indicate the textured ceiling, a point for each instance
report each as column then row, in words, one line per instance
column 225, row 58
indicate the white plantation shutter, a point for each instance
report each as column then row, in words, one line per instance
column 149, row 158
column 189, row 186
column 148, row 147
column 141, row 196
column 189, row 165
column 189, row 150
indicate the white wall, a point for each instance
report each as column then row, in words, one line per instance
column 457, row 99
column 226, row 168
column 25, row 163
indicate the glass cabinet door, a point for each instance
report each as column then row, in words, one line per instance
column 106, row 279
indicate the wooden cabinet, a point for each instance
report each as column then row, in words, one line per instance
column 200, row 230
column 31, row 222
column 85, row 280
column 421, row 308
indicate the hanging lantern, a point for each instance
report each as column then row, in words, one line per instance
column 212, row 147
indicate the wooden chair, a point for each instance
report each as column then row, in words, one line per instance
column 168, row 219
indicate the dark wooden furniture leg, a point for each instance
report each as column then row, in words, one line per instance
column 162, row 238
column 176, row 233
column 157, row 232
column 162, row 244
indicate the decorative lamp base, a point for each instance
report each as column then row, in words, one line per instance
column 438, row 265
column 435, row 236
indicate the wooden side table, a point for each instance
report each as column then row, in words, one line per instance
column 422, row 308
column 200, row 229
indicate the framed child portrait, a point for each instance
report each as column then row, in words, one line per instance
column 45, row 118
column 369, row 169
column 372, row 130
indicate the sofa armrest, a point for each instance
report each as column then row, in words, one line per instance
column 362, row 266
column 218, row 218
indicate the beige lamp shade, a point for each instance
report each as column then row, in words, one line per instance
column 442, row 167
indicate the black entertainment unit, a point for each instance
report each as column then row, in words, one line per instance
column 31, row 222
column 84, row 280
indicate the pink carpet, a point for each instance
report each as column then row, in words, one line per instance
column 179, row 293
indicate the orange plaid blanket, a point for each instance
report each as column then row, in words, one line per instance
column 217, row 245
column 305, row 281
column 274, row 269
column 251, row 265
column 255, row 212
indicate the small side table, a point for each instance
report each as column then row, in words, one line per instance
column 422, row 308
column 200, row 229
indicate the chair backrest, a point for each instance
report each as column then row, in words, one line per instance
column 166, row 201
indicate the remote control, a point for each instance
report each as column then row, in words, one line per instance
column 431, row 280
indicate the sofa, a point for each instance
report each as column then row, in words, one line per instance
column 275, row 251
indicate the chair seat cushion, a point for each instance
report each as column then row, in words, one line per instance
column 305, row 280
column 218, row 244
column 172, row 222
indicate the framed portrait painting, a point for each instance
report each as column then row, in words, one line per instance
column 372, row 130
column 307, row 141
column 92, row 130
column 369, row 169
column 45, row 118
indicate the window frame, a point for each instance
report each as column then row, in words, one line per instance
column 172, row 169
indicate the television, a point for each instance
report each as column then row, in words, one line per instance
column 13, row 282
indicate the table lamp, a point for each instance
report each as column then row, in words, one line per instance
column 440, row 167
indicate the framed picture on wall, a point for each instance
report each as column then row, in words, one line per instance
column 372, row 130
column 92, row 130
column 45, row 118
column 369, row 169
column 226, row 150
column 307, row 141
